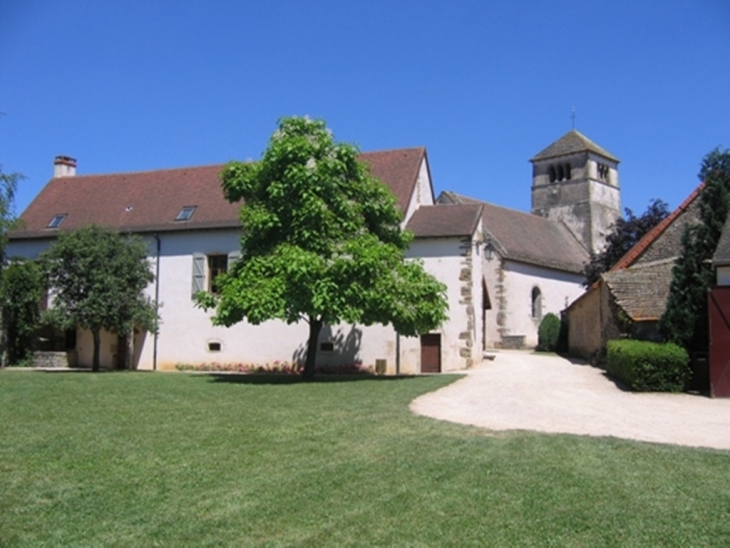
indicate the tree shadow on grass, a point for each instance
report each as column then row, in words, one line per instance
column 264, row 378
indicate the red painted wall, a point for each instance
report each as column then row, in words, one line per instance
column 719, row 308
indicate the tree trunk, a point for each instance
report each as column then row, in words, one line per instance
column 315, row 326
column 97, row 345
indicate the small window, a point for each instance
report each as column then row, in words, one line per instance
column 536, row 303
column 326, row 346
column 186, row 213
column 56, row 221
column 603, row 171
column 214, row 347
column 217, row 265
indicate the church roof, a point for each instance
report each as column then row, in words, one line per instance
column 443, row 221
column 149, row 201
column 570, row 143
column 525, row 237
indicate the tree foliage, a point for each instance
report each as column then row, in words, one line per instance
column 625, row 234
column 8, row 187
column 97, row 278
column 321, row 242
column 685, row 320
column 21, row 290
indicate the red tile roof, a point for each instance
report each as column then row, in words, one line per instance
column 149, row 201
column 633, row 254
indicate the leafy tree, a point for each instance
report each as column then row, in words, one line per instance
column 21, row 291
column 8, row 187
column 685, row 320
column 97, row 278
column 624, row 235
column 321, row 243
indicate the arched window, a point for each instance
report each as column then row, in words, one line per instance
column 560, row 172
column 567, row 171
column 536, row 303
column 552, row 174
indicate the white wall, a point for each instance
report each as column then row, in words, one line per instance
column 422, row 193
column 186, row 331
column 445, row 259
column 558, row 290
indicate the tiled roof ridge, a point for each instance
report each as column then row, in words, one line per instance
column 478, row 201
column 217, row 164
column 139, row 172
column 650, row 237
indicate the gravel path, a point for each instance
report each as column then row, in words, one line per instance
column 544, row 393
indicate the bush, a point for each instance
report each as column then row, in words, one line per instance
column 548, row 333
column 645, row 366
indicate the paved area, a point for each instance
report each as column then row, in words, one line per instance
column 524, row 391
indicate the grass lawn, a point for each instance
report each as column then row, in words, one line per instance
column 141, row 459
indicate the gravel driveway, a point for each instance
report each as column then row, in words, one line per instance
column 520, row 390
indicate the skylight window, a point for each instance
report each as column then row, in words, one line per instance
column 186, row 213
column 56, row 221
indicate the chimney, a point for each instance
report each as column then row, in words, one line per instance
column 64, row 166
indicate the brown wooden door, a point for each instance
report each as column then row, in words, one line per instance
column 720, row 342
column 431, row 353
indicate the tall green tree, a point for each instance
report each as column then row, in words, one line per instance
column 321, row 243
column 624, row 235
column 685, row 320
column 21, row 290
column 97, row 278
column 8, row 187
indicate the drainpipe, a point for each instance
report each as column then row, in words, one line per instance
column 397, row 353
column 157, row 301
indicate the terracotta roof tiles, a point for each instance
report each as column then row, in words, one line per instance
column 149, row 201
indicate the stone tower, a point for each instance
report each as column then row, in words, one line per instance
column 576, row 181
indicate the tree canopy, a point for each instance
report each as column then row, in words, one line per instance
column 685, row 320
column 21, row 290
column 8, row 187
column 321, row 242
column 624, row 235
column 97, row 278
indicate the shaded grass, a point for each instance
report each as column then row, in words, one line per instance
column 174, row 459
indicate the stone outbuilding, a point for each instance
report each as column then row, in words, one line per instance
column 631, row 297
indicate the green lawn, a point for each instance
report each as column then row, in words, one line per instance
column 135, row 459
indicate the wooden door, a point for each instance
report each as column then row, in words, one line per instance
column 431, row 353
column 719, row 308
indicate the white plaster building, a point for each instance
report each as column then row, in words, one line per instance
column 504, row 269
column 193, row 233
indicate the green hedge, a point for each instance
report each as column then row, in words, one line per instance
column 647, row 366
column 548, row 333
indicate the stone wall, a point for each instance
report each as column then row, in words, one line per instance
column 52, row 360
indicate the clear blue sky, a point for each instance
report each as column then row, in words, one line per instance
column 484, row 85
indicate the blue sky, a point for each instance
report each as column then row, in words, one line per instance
column 484, row 85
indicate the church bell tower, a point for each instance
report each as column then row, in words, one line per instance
column 576, row 182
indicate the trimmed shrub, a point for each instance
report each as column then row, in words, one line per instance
column 646, row 366
column 548, row 333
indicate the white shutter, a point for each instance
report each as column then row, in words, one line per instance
column 233, row 256
column 198, row 273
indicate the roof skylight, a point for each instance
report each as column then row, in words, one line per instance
column 56, row 221
column 186, row 213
